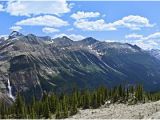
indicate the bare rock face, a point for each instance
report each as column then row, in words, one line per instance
column 37, row 64
column 5, row 99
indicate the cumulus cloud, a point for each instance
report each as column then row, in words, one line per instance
column 15, row 28
column 151, row 41
column 154, row 36
column 28, row 8
column 49, row 30
column 147, row 44
column 74, row 37
column 82, row 15
column 110, row 40
column 46, row 20
column 1, row 7
column 131, row 22
column 134, row 36
column 98, row 25
column 4, row 36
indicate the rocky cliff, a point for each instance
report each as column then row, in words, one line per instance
column 36, row 64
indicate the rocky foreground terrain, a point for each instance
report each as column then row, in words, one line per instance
column 122, row 111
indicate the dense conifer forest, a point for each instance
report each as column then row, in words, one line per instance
column 65, row 105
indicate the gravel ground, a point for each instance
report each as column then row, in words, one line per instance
column 122, row 111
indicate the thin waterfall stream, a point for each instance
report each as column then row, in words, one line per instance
column 10, row 90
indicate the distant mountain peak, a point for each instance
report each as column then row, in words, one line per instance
column 15, row 34
column 89, row 40
column 134, row 46
column 46, row 38
column 63, row 41
column 65, row 37
column 31, row 34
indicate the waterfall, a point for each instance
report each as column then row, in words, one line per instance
column 10, row 90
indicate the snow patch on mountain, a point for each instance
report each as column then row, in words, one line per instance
column 95, row 51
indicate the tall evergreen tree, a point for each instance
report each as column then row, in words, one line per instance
column 73, row 108
column 58, row 110
column 3, row 110
column 86, row 99
column 19, row 107
column 139, row 93
column 94, row 103
column 46, row 110
column 52, row 103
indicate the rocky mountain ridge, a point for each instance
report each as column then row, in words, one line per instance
column 36, row 64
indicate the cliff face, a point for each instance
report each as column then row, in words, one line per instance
column 36, row 64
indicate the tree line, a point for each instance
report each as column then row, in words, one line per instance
column 65, row 105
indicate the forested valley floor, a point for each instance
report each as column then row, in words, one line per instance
column 78, row 102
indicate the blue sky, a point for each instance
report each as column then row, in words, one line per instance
column 132, row 22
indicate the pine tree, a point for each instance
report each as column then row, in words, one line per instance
column 127, row 94
column 32, row 113
column 131, row 89
column 3, row 110
column 114, row 95
column 73, row 108
column 86, row 99
column 52, row 103
column 120, row 91
column 139, row 93
column 58, row 110
column 94, row 103
column 46, row 110
column 99, row 98
column 19, row 107
column 101, row 95
column 65, row 107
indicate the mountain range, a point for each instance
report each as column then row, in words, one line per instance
column 34, row 65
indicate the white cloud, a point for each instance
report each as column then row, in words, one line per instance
column 74, row 37
column 49, row 30
column 46, row 20
column 28, row 8
column 15, row 28
column 131, row 22
column 82, row 15
column 109, row 40
column 134, row 36
column 147, row 44
column 4, row 36
column 1, row 7
column 98, row 25
column 154, row 36
column 138, row 36
column 151, row 41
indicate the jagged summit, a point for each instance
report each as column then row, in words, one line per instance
column 46, row 38
column 31, row 35
column 89, row 41
column 65, row 37
column 15, row 34
column 63, row 41
column 134, row 46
